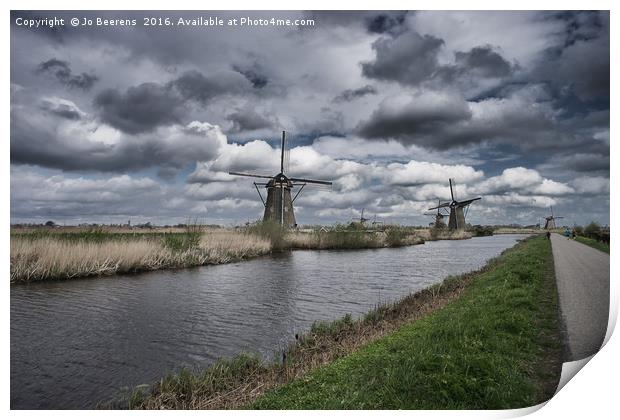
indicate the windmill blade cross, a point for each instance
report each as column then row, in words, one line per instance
column 467, row 202
column 440, row 206
column 310, row 181
column 282, row 153
column 250, row 175
column 452, row 192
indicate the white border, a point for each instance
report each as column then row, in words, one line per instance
column 592, row 392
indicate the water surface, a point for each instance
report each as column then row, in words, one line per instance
column 76, row 343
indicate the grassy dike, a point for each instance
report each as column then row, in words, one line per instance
column 487, row 340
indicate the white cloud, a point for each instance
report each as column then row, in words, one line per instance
column 519, row 200
column 510, row 179
column 415, row 173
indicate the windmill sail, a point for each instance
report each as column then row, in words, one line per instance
column 457, row 215
column 250, row 175
column 279, row 203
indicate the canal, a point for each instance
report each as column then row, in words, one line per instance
column 76, row 343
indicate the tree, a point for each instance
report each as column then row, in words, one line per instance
column 592, row 230
column 50, row 223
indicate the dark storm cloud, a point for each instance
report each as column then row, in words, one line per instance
column 351, row 94
column 140, row 109
column 592, row 163
column 257, row 79
column 196, row 86
column 410, row 58
column 582, row 64
column 38, row 141
column 485, row 61
column 443, row 122
column 249, row 120
column 475, row 65
column 415, row 122
column 145, row 107
column 371, row 21
column 380, row 23
column 580, row 25
column 61, row 70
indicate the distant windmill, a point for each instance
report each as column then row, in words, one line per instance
column 457, row 215
column 550, row 220
column 362, row 218
column 376, row 222
column 439, row 216
column 279, row 204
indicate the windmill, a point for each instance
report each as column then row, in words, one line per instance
column 550, row 220
column 456, row 220
column 376, row 222
column 279, row 204
column 438, row 223
column 362, row 219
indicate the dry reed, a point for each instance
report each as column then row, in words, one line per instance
column 48, row 258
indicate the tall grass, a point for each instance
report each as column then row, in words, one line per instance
column 270, row 230
column 434, row 234
column 49, row 258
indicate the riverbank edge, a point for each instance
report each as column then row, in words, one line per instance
column 237, row 382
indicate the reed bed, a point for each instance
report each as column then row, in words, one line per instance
column 223, row 247
column 433, row 234
column 351, row 239
column 50, row 258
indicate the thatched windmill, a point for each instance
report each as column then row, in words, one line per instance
column 550, row 220
column 279, row 204
column 456, row 220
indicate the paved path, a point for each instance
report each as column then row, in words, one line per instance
column 582, row 275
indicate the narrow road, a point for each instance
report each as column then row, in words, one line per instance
column 582, row 275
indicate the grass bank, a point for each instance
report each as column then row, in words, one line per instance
column 593, row 243
column 39, row 257
column 488, row 339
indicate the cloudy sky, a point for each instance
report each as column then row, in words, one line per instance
column 144, row 123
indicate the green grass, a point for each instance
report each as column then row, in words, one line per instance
column 100, row 236
column 496, row 347
column 593, row 243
